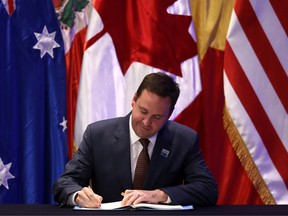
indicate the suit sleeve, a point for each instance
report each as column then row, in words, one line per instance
column 77, row 172
column 199, row 187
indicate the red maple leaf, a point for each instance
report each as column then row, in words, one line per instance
column 143, row 31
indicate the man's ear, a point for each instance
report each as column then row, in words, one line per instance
column 133, row 100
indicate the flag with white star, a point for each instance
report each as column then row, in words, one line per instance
column 33, row 123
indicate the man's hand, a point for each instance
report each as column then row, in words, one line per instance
column 143, row 196
column 88, row 199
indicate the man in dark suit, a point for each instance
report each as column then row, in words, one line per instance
column 107, row 156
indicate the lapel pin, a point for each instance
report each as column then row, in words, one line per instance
column 164, row 153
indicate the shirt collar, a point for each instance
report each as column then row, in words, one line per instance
column 134, row 137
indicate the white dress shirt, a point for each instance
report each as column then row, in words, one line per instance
column 136, row 147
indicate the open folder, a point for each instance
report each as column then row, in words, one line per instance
column 140, row 206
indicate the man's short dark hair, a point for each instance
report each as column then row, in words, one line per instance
column 161, row 84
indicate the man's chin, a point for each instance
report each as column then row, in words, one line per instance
column 144, row 134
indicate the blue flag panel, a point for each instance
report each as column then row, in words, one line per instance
column 33, row 135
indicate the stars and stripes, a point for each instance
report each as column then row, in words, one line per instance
column 256, row 94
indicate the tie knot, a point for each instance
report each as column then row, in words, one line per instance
column 144, row 142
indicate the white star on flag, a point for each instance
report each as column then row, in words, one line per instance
column 46, row 42
column 64, row 124
column 5, row 174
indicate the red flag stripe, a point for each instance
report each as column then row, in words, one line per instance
column 281, row 13
column 257, row 114
column 258, row 78
column 73, row 67
column 273, row 29
column 92, row 40
column 261, row 47
column 11, row 6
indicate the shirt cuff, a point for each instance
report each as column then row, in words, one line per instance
column 71, row 199
column 168, row 201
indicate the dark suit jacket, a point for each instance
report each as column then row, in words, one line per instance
column 104, row 157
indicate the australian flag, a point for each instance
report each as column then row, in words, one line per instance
column 33, row 135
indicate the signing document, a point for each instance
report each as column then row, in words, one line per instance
column 141, row 206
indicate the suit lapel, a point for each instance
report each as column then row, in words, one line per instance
column 121, row 152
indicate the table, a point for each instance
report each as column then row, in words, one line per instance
column 21, row 209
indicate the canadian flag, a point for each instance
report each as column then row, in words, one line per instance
column 127, row 40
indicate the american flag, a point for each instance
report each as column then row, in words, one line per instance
column 256, row 94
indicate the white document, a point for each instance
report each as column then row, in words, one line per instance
column 140, row 206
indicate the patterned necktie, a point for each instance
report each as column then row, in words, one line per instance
column 142, row 165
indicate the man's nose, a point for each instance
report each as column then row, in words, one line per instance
column 147, row 122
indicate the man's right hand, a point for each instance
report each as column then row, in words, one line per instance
column 86, row 198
